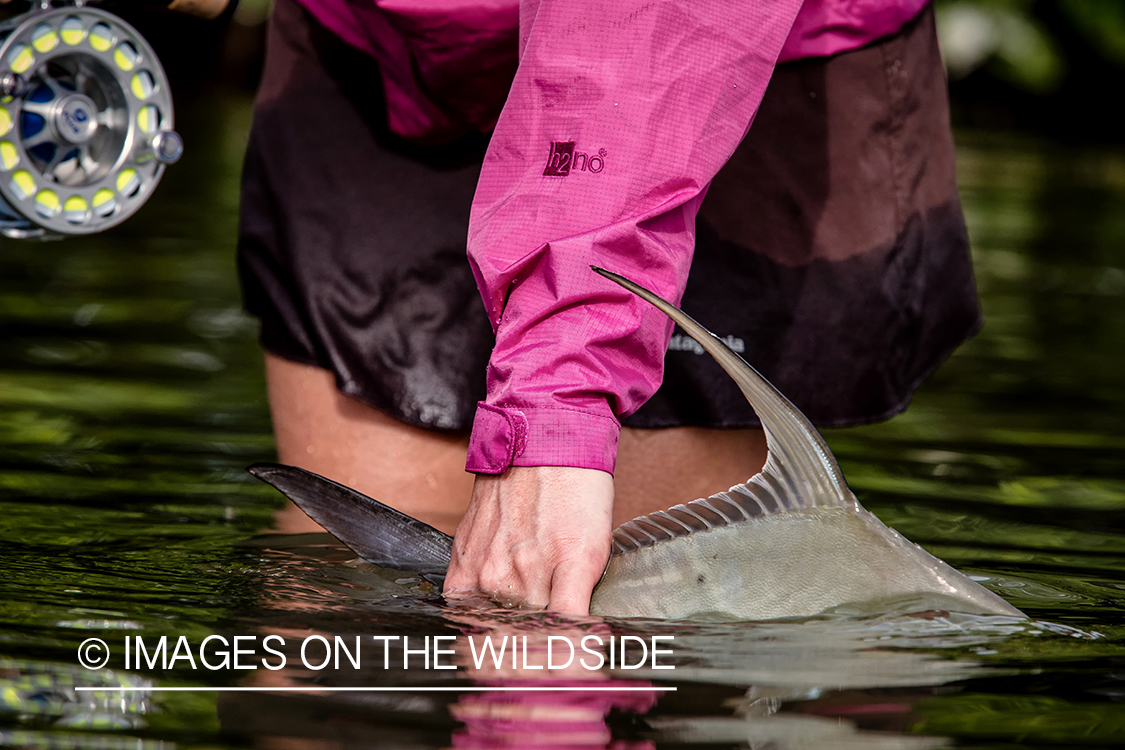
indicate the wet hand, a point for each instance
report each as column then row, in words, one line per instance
column 535, row 537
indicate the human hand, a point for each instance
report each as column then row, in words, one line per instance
column 535, row 537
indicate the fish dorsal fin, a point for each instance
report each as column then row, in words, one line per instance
column 800, row 470
column 376, row 532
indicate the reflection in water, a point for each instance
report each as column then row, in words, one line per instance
column 42, row 694
column 131, row 400
column 547, row 720
column 815, row 682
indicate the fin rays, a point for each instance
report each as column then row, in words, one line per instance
column 800, row 471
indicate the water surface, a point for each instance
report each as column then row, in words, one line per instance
column 131, row 399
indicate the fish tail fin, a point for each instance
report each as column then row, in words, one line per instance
column 377, row 532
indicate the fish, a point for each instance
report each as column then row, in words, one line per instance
column 790, row 542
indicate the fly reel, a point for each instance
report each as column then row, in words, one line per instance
column 85, row 121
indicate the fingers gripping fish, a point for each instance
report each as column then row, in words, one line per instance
column 791, row 541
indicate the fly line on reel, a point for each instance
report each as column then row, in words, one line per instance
column 85, row 122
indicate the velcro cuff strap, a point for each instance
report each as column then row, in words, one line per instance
column 499, row 438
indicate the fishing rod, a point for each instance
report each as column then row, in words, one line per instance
column 86, row 120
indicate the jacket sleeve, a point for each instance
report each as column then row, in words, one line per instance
column 620, row 115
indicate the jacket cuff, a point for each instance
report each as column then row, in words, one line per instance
column 541, row 436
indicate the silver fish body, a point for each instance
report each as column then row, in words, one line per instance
column 802, row 563
column 792, row 541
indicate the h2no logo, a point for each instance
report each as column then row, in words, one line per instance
column 563, row 158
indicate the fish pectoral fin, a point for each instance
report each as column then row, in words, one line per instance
column 800, row 470
column 376, row 532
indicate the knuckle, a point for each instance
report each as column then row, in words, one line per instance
column 494, row 576
column 526, row 559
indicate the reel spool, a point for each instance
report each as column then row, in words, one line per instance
column 85, row 122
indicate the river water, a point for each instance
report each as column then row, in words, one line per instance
column 131, row 400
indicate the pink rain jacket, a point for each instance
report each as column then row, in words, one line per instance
column 620, row 114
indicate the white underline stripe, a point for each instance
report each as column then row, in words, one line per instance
column 315, row 688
